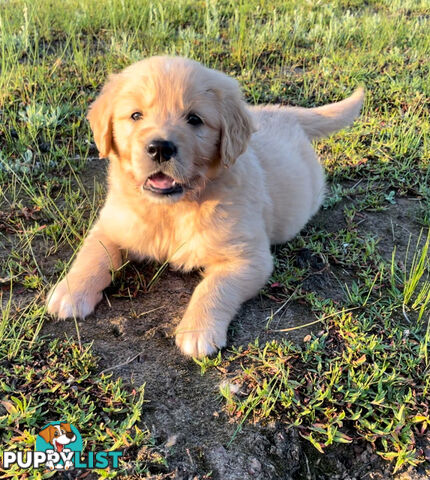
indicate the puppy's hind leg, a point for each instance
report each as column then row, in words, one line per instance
column 217, row 298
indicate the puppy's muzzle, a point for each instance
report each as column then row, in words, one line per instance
column 161, row 150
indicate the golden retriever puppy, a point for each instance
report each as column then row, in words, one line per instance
column 199, row 178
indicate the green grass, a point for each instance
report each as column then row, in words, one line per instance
column 48, row 380
column 363, row 376
column 54, row 57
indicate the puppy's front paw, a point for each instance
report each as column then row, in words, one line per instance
column 198, row 341
column 67, row 300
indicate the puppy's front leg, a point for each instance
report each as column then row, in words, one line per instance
column 80, row 291
column 215, row 301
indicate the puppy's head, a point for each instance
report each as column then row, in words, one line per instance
column 58, row 435
column 170, row 124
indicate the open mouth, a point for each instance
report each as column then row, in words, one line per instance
column 59, row 446
column 162, row 184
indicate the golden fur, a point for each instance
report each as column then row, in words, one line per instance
column 248, row 177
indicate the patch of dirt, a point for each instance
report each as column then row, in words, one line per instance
column 394, row 228
column 185, row 407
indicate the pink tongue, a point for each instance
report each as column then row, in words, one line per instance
column 159, row 180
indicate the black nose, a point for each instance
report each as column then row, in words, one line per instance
column 161, row 150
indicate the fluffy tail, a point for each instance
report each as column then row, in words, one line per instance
column 321, row 121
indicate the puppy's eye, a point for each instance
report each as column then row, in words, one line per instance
column 136, row 116
column 194, row 119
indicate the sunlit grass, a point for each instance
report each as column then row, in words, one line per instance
column 358, row 378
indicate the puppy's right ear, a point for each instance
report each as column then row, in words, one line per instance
column 100, row 117
column 48, row 433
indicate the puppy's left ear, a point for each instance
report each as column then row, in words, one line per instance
column 100, row 117
column 236, row 124
column 66, row 427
